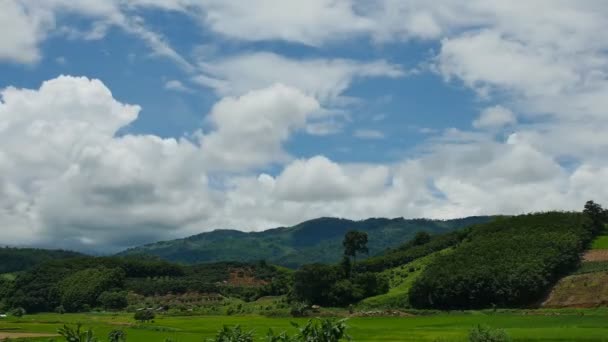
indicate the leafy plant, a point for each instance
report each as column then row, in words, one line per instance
column 117, row 336
column 235, row 334
column 322, row 330
column 486, row 334
column 77, row 334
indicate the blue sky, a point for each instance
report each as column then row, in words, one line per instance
column 130, row 121
column 406, row 109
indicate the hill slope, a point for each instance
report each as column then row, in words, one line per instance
column 20, row 259
column 508, row 262
column 318, row 240
column 588, row 285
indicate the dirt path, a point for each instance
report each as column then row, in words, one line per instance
column 7, row 335
column 596, row 255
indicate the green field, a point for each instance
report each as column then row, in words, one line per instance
column 600, row 242
column 573, row 325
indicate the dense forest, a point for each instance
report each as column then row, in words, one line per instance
column 19, row 259
column 79, row 284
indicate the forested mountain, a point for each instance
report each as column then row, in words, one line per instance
column 19, row 259
column 318, row 240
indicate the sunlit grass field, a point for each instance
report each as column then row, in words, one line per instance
column 571, row 325
column 600, row 242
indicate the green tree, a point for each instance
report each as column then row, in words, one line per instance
column 597, row 215
column 355, row 242
column 84, row 287
column 113, row 300
column 421, row 238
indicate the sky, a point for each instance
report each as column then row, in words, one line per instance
column 125, row 122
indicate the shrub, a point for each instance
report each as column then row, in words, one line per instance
column 117, row 336
column 315, row 330
column 76, row 334
column 144, row 316
column 235, row 334
column 487, row 334
column 18, row 312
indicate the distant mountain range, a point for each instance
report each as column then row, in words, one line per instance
column 318, row 240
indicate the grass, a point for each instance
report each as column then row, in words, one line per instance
column 601, row 242
column 545, row 325
column 401, row 279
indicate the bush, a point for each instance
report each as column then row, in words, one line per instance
column 60, row 310
column 144, row 316
column 316, row 330
column 227, row 334
column 18, row 312
column 76, row 334
column 487, row 334
column 299, row 310
column 117, row 336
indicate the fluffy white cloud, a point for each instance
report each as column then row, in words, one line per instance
column 67, row 180
column 495, row 117
column 320, row 179
column 65, row 174
column 249, row 130
column 309, row 22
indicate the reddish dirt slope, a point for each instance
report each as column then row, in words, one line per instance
column 596, row 255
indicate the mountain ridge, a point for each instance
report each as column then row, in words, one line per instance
column 316, row 240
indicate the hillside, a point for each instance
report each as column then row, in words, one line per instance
column 588, row 285
column 318, row 240
column 20, row 259
column 509, row 262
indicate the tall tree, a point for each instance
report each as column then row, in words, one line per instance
column 355, row 242
column 598, row 216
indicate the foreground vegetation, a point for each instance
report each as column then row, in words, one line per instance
column 541, row 325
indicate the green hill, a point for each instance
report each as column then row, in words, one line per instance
column 20, row 259
column 509, row 262
column 318, row 240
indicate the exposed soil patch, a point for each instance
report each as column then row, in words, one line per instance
column 596, row 255
column 580, row 291
column 7, row 335
column 244, row 277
